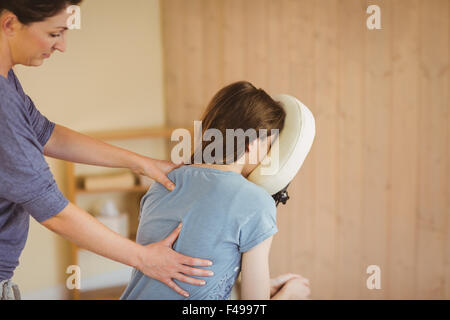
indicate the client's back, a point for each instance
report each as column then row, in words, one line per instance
column 223, row 215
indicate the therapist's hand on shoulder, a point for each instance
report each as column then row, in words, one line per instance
column 157, row 170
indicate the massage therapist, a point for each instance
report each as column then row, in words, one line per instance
column 30, row 31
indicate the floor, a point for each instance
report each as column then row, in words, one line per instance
column 103, row 294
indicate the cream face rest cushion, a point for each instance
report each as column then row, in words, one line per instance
column 289, row 150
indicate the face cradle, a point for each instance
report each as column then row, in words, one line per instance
column 261, row 148
column 31, row 44
column 257, row 152
column 292, row 147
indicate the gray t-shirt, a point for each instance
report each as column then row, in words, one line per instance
column 27, row 186
column 223, row 215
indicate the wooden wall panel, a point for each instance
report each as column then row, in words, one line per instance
column 193, row 52
column 375, row 188
column 174, row 65
column 447, row 248
column 432, row 204
column 255, row 45
column 213, row 53
column 350, row 148
column 277, row 76
column 403, row 189
column 324, row 98
column 234, row 25
column 300, row 212
column 376, row 136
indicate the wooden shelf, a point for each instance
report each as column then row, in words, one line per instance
column 75, row 189
column 132, row 133
column 136, row 189
column 103, row 294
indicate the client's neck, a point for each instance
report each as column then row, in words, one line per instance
column 244, row 169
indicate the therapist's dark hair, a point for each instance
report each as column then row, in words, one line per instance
column 29, row 11
column 241, row 105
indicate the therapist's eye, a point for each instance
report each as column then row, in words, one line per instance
column 55, row 35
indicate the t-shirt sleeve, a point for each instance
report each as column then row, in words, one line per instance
column 25, row 177
column 42, row 127
column 260, row 226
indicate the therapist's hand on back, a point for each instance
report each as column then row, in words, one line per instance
column 162, row 263
column 157, row 260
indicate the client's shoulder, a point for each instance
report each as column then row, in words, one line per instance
column 256, row 195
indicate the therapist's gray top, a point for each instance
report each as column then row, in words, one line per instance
column 27, row 186
column 223, row 215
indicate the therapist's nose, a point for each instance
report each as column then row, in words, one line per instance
column 60, row 45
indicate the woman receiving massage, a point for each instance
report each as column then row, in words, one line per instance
column 225, row 218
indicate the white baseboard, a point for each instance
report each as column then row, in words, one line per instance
column 106, row 280
column 52, row 293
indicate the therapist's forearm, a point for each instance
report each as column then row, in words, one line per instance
column 69, row 145
column 79, row 227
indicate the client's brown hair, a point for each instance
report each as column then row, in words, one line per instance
column 241, row 106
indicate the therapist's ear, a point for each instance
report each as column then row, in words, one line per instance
column 9, row 23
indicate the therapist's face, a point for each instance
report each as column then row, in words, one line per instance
column 31, row 44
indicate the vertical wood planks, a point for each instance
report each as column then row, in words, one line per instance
column 301, row 210
column 213, row 40
column 193, row 58
column 256, row 42
column 235, row 37
column 350, row 147
column 400, row 278
column 277, row 82
column 172, row 30
column 324, row 99
column 375, row 186
column 447, row 248
column 277, row 51
column 376, row 135
column 432, row 205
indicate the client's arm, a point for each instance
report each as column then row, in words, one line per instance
column 290, row 287
column 255, row 283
